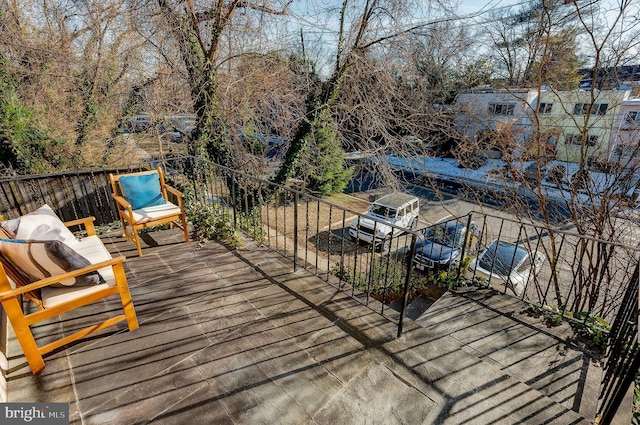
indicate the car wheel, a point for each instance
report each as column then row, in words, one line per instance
column 414, row 223
column 385, row 245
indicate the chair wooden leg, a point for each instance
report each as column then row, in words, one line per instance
column 23, row 333
column 136, row 239
column 125, row 297
column 184, row 227
column 34, row 358
column 124, row 226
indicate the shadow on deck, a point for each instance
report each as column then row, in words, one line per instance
column 229, row 337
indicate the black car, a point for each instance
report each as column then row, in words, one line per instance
column 441, row 245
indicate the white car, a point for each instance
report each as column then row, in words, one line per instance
column 506, row 262
column 399, row 209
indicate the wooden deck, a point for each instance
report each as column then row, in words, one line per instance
column 237, row 337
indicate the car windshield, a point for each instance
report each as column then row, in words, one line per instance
column 445, row 234
column 382, row 211
column 502, row 257
column 185, row 124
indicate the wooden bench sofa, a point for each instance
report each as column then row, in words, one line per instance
column 46, row 264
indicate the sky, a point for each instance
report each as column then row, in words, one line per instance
column 474, row 6
column 320, row 30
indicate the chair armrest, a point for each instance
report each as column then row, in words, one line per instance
column 55, row 279
column 121, row 202
column 176, row 193
column 86, row 222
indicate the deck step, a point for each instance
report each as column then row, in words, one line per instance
column 416, row 308
column 498, row 330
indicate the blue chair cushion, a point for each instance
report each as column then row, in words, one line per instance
column 142, row 190
column 40, row 259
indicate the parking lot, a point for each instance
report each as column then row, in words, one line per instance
column 568, row 274
column 437, row 207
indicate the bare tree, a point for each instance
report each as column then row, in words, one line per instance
column 73, row 59
column 262, row 97
column 200, row 31
column 361, row 101
column 585, row 189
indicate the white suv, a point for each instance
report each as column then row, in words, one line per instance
column 399, row 209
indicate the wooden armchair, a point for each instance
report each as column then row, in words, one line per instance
column 54, row 295
column 141, row 200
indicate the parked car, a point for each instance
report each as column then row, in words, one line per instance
column 506, row 262
column 139, row 124
column 441, row 244
column 273, row 147
column 180, row 128
column 400, row 209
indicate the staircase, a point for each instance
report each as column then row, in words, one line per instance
column 499, row 332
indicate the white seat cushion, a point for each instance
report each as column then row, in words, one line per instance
column 156, row 212
column 93, row 250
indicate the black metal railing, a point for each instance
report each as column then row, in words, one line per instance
column 565, row 273
column 623, row 354
column 71, row 194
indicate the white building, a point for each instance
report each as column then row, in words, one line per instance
column 624, row 144
column 578, row 124
column 496, row 119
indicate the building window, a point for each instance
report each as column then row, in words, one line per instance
column 596, row 108
column 632, row 117
column 576, row 139
column 545, row 108
column 572, row 139
column 501, row 108
column 622, row 150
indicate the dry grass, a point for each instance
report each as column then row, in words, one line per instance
column 322, row 235
column 313, row 216
column 157, row 146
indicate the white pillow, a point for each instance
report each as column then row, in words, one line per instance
column 41, row 225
